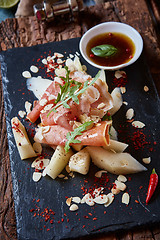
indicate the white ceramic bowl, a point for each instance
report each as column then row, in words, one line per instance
column 112, row 27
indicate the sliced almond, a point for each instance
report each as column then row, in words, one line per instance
column 43, row 102
column 130, row 113
column 28, row 106
column 26, row 74
column 21, row 113
column 118, row 74
column 110, row 199
column 40, row 163
column 101, row 105
column 146, row 89
column 36, row 176
column 146, row 160
column 99, row 173
column 37, row 147
column 76, row 199
column 48, row 107
column 138, row 124
column 125, row 103
column 68, row 201
column 83, row 200
column 115, row 191
column 61, row 175
column 123, row 90
column 97, row 191
column 60, row 61
column 89, row 199
column 44, row 173
column 101, row 199
column 121, row 186
column 44, row 61
column 58, row 55
column 125, row 198
column 122, row 178
column 34, row 69
column 73, row 207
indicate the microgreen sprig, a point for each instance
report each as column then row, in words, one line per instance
column 71, row 90
column 77, row 132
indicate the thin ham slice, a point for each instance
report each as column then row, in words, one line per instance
column 56, row 135
column 48, row 97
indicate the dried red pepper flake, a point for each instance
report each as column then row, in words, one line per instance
column 94, row 219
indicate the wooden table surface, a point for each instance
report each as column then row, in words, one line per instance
column 27, row 32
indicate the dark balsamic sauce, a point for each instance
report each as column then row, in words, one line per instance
column 124, row 45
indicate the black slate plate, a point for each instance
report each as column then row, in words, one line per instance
column 50, row 194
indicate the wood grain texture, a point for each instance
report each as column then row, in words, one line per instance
column 28, row 32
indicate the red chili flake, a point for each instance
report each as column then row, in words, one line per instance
column 140, row 187
column 86, row 217
column 130, row 56
column 136, row 201
column 94, row 219
column 91, row 55
column 38, row 200
column 110, row 34
column 62, row 220
column 65, row 214
column 51, row 221
column 31, row 210
column 67, row 219
column 104, row 212
column 83, row 226
column 59, row 221
column 48, row 229
column 128, row 50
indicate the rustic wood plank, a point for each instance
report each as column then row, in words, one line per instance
column 27, row 32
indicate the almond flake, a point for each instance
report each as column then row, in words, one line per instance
column 101, row 199
column 51, row 97
column 44, row 173
column 36, row 176
column 122, row 178
column 123, row 90
column 130, row 113
column 37, row 147
column 28, row 106
column 58, row 55
column 121, row 186
column 68, row 201
column 101, row 105
column 125, row 103
column 138, row 124
column 26, row 74
column 115, row 191
column 48, row 107
column 73, row 207
column 21, row 113
column 66, row 178
column 43, row 102
column 34, row 69
column 97, row 191
column 99, row 173
column 110, row 199
column 76, row 199
column 44, row 61
column 118, row 74
column 83, row 200
column 146, row 160
column 84, row 68
column 146, row 89
column 89, row 199
column 61, row 175
column 40, row 163
column 125, row 198
column 60, row 61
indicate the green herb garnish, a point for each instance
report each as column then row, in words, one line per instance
column 77, row 132
column 104, row 50
column 71, row 90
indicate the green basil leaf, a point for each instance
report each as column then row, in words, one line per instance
column 105, row 50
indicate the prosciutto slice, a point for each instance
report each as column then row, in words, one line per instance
column 48, row 97
column 56, row 135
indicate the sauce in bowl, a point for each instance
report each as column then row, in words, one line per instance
column 124, row 45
